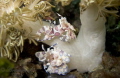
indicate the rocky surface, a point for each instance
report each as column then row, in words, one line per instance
column 109, row 68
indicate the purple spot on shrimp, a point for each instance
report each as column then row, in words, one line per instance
column 56, row 71
column 43, row 53
column 51, row 32
column 57, row 34
column 61, row 53
column 37, row 54
column 56, row 28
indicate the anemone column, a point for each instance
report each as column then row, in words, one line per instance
column 91, row 39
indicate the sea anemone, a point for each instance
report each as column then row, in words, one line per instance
column 14, row 29
column 87, row 49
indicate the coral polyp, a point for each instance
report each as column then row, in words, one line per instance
column 64, row 2
column 102, row 6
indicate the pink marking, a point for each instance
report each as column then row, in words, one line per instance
column 57, row 34
column 47, row 31
column 56, row 28
column 51, row 32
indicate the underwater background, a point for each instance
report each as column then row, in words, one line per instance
column 24, row 63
